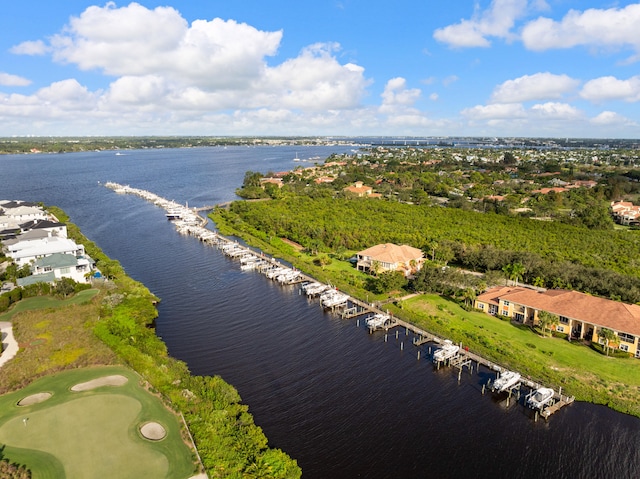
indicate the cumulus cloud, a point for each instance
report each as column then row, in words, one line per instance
column 610, row 28
column 397, row 97
column 495, row 111
column 37, row 47
column 611, row 118
column 539, row 86
column 610, row 88
column 496, row 21
column 6, row 79
column 555, row 110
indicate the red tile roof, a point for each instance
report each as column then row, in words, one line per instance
column 602, row 312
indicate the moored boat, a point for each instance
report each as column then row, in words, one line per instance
column 447, row 351
column 506, row 380
column 540, row 398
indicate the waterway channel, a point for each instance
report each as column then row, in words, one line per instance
column 344, row 403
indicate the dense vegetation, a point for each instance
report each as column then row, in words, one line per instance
column 552, row 254
column 230, row 444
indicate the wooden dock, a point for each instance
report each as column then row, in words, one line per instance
column 352, row 308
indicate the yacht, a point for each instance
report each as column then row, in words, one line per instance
column 506, row 380
column 447, row 351
column 540, row 398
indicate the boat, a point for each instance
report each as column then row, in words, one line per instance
column 377, row 320
column 447, row 351
column 507, row 380
column 540, row 398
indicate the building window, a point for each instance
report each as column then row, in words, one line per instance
column 493, row 309
column 638, row 353
column 519, row 317
column 560, row 329
column 65, row 270
column 624, row 347
column 505, row 303
column 564, row 320
column 627, row 338
column 480, row 306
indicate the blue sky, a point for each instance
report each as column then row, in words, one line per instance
column 534, row 68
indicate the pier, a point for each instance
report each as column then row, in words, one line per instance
column 188, row 222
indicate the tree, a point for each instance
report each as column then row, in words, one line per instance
column 514, row 271
column 547, row 321
column 469, row 296
column 607, row 335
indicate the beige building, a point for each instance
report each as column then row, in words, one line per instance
column 580, row 315
column 390, row 257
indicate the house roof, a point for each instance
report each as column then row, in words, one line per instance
column 57, row 260
column 583, row 307
column 493, row 295
column 37, row 278
column 392, row 253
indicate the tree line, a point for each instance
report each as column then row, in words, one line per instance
column 552, row 254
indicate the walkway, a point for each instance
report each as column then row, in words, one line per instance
column 9, row 343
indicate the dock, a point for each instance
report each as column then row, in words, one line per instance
column 188, row 222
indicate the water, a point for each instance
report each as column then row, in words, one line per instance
column 344, row 403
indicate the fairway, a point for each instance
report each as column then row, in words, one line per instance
column 92, row 433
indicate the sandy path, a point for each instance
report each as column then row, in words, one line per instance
column 9, row 342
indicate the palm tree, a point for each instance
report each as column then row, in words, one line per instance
column 546, row 321
column 607, row 335
column 469, row 295
column 538, row 282
column 514, row 272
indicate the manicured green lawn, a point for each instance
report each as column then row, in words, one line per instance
column 92, row 434
column 43, row 302
column 578, row 368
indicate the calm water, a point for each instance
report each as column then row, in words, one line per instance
column 344, row 403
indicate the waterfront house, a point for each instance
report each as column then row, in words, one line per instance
column 390, row 257
column 25, row 251
column 56, row 266
column 581, row 316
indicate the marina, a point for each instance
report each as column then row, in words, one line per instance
column 443, row 352
column 318, row 385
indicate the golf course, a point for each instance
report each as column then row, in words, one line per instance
column 93, row 423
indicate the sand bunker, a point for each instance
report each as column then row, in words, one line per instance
column 34, row 399
column 153, row 431
column 115, row 380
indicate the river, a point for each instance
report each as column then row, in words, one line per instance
column 344, row 403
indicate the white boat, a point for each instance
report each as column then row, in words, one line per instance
column 335, row 298
column 377, row 320
column 540, row 398
column 447, row 351
column 506, row 380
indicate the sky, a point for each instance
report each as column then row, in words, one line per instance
column 497, row 68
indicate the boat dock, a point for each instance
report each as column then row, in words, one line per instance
column 187, row 221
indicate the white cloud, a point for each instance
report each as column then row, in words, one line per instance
column 495, row 111
column 396, row 97
column 37, row 47
column 557, row 111
column 539, row 86
column 496, row 21
column 611, row 118
column 6, row 79
column 610, row 88
column 449, row 80
column 614, row 27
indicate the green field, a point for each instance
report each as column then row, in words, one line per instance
column 94, row 433
column 44, row 302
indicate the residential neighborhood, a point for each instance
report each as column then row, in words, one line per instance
column 35, row 240
column 580, row 316
column 390, row 257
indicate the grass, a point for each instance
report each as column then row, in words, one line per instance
column 92, row 433
column 580, row 370
column 44, row 302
